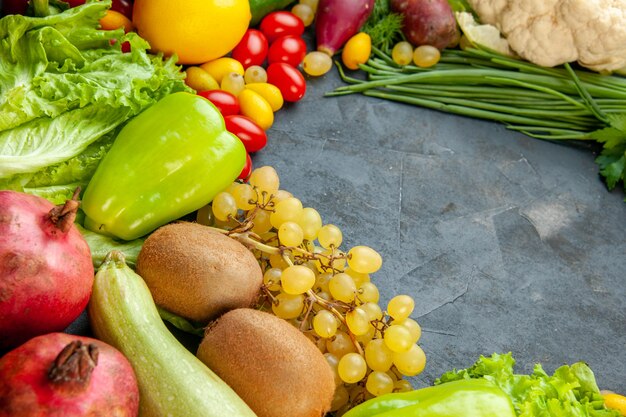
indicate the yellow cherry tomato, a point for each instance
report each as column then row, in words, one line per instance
column 218, row 68
column 615, row 402
column 357, row 50
column 199, row 79
column 114, row 20
column 196, row 31
column 269, row 92
column 253, row 105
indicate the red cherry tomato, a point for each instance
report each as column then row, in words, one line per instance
column 288, row 79
column 14, row 7
column 247, row 130
column 290, row 49
column 281, row 23
column 227, row 103
column 251, row 49
column 247, row 169
column 125, row 7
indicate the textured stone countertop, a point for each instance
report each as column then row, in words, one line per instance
column 506, row 243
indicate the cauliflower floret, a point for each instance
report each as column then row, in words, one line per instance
column 552, row 32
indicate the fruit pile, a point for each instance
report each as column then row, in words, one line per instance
column 322, row 289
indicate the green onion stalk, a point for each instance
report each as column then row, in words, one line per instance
column 560, row 103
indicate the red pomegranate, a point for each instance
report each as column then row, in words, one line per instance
column 61, row 375
column 46, row 271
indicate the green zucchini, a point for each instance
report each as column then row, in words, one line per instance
column 172, row 381
column 260, row 8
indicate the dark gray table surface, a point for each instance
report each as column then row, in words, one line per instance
column 506, row 243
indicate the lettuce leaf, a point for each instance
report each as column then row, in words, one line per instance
column 571, row 391
column 66, row 88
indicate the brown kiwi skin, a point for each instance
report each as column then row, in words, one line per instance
column 269, row 363
column 198, row 273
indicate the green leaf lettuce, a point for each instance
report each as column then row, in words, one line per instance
column 571, row 391
column 66, row 88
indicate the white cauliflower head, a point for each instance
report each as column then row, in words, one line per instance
column 552, row 32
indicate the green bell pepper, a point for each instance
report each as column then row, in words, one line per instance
column 463, row 398
column 168, row 161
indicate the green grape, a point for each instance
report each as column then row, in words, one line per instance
column 333, row 361
column 245, row 197
column 311, row 3
column 364, row 259
column 317, row 63
column 255, row 74
column 379, row 383
column 324, row 295
column 329, row 235
column 297, row 279
column 290, row 234
column 325, row 324
column 398, row 338
column 340, row 344
column 224, row 206
column 271, row 278
column 277, row 261
column 342, row 288
column 265, row 179
column 426, row 56
column 233, row 83
column 414, row 328
column 261, row 222
column 400, row 307
column 402, row 53
column 205, row 215
column 340, row 399
column 288, row 306
column 373, row 310
column 357, row 321
column 311, row 222
column 368, row 293
column 305, row 13
column 357, row 277
column 411, row 362
column 352, row 368
column 280, row 195
column 392, row 373
column 366, row 337
column 231, row 187
column 287, row 210
column 378, row 356
column 402, row 385
column 321, row 282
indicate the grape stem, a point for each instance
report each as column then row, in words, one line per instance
column 243, row 233
column 330, row 307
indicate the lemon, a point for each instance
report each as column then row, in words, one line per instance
column 196, row 31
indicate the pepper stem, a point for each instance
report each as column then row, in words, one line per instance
column 74, row 364
column 63, row 215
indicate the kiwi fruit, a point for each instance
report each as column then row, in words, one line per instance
column 198, row 273
column 269, row 363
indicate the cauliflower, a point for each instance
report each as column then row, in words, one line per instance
column 552, row 32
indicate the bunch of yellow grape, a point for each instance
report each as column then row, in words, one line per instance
column 323, row 290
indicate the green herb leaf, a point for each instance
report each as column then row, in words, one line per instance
column 383, row 26
column 612, row 160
